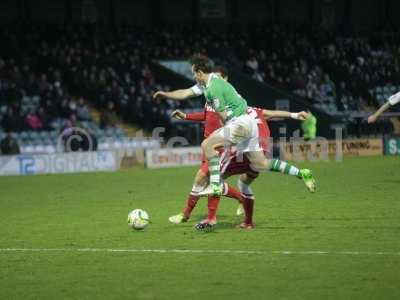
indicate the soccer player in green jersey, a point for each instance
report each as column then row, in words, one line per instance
column 239, row 128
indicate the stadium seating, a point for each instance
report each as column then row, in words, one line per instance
column 49, row 140
column 382, row 93
column 328, row 69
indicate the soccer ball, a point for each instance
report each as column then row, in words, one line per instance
column 138, row 219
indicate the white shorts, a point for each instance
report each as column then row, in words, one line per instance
column 242, row 132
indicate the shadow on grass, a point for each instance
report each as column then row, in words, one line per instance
column 395, row 181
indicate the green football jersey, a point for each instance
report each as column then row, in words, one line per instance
column 309, row 127
column 221, row 95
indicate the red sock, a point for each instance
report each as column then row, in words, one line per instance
column 233, row 193
column 190, row 204
column 248, row 205
column 213, row 202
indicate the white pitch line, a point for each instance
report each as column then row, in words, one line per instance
column 194, row 251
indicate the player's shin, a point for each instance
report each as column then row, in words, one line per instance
column 286, row 168
column 215, row 175
column 248, row 204
column 191, row 201
column 213, row 202
column 248, row 201
column 283, row 167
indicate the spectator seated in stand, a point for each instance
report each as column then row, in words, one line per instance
column 9, row 146
column 70, row 67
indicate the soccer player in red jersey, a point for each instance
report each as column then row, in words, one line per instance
column 234, row 164
column 211, row 124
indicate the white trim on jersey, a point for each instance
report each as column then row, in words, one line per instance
column 208, row 107
column 394, row 99
column 197, row 89
column 211, row 76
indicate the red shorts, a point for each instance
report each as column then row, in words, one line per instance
column 236, row 165
column 231, row 165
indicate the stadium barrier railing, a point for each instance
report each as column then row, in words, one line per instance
column 315, row 150
column 323, row 149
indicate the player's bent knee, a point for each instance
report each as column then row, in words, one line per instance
column 206, row 148
column 251, row 175
column 201, row 178
column 260, row 166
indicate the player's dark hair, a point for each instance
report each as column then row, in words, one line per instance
column 222, row 70
column 201, row 63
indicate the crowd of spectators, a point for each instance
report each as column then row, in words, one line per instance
column 69, row 67
column 65, row 68
column 32, row 100
column 320, row 65
column 9, row 146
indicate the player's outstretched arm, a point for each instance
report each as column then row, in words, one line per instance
column 269, row 114
column 372, row 118
column 394, row 99
column 199, row 116
column 182, row 94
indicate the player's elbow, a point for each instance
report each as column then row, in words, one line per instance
column 185, row 94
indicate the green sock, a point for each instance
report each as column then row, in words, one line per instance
column 283, row 167
column 215, row 176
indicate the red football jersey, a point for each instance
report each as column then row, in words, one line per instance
column 263, row 129
column 211, row 119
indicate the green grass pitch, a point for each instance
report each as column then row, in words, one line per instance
column 340, row 243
